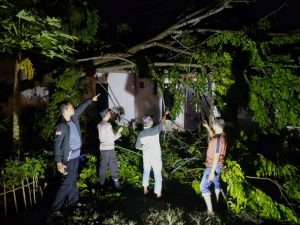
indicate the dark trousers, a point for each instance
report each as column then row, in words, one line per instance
column 68, row 187
column 108, row 159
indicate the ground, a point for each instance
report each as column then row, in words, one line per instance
column 120, row 207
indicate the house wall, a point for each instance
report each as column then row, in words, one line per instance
column 121, row 88
column 138, row 96
column 148, row 100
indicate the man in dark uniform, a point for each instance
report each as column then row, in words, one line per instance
column 67, row 145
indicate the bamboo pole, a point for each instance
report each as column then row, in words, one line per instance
column 4, row 197
column 33, row 190
column 24, row 195
column 15, row 198
column 29, row 191
column 36, row 188
column 39, row 186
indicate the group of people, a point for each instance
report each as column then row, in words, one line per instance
column 68, row 142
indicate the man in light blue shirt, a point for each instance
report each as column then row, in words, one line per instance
column 148, row 142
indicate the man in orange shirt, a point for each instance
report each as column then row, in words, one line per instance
column 214, row 161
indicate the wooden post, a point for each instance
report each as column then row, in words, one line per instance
column 29, row 191
column 15, row 198
column 24, row 195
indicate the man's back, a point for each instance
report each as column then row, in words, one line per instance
column 148, row 141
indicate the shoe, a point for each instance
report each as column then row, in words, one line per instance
column 159, row 198
column 101, row 188
column 210, row 214
column 158, row 195
column 57, row 214
column 79, row 205
column 118, row 185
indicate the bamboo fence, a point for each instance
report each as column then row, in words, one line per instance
column 29, row 189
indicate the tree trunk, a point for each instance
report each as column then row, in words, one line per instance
column 16, row 107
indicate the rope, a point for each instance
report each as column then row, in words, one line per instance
column 114, row 95
column 112, row 100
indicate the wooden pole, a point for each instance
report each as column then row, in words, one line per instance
column 24, row 195
column 15, row 198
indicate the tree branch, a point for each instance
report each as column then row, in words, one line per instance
column 281, row 190
column 193, row 18
column 169, row 64
column 275, row 11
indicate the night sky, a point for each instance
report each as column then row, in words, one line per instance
column 152, row 16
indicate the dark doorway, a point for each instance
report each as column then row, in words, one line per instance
column 102, row 103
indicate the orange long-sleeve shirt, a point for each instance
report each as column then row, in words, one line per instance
column 217, row 144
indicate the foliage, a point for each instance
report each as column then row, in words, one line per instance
column 4, row 124
column 168, row 216
column 81, row 20
column 14, row 172
column 28, row 30
column 24, row 30
column 27, row 68
column 215, row 65
column 174, row 86
column 274, row 98
column 88, row 178
column 243, row 196
column 272, row 77
column 267, row 168
column 287, row 173
column 117, row 218
column 66, row 89
column 180, row 163
column 123, row 28
column 129, row 168
column 238, row 40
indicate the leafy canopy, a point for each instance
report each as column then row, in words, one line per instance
column 29, row 30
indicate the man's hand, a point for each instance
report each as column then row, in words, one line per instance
column 211, row 176
column 95, row 98
column 120, row 130
column 61, row 167
column 205, row 124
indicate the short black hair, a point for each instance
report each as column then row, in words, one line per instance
column 63, row 106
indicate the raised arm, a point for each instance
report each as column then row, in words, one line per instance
column 164, row 117
column 80, row 109
column 210, row 131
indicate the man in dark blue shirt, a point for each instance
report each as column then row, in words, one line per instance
column 67, row 144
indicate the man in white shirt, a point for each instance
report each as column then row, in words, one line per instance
column 148, row 142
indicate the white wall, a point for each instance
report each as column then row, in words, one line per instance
column 148, row 100
column 122, row 92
